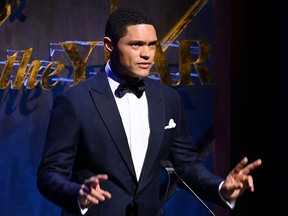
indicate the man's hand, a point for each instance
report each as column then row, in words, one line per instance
column 91, row 192
column 239, row 179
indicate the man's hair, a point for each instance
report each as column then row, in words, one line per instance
column 120, row 19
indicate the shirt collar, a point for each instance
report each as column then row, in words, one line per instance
column 111, row 74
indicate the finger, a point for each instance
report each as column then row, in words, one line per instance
column 97, row 196
column 252, row 166
column 95, row 191
column 95, row 180
column 101, row 194
column 84, row 190
column 89, row 198
column 101, row 177
column 93, row 197
column 240, row 165
column 250, row 183
column 107, row 195
column 83, row 194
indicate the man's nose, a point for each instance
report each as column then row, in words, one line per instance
column 145, row 52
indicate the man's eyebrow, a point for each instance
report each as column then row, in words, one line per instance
column 136, row 41
column 142, row 42
column 154, row 42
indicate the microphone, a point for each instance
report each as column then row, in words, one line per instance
column 167, row 165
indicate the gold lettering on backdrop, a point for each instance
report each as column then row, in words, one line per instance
column 22, row 73
column 184, row 63
column 76, row 59
column 113, row 5
column 29, row 77
column 7, row 9
column 34, row 68
column 183, row 23
column 79, row 65
column 162, row 67
column 186, row 59
column 46, row 74
column 6, row 73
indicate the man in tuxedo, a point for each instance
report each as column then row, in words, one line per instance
column 108, row 134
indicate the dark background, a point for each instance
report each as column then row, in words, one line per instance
column 245, row 106
column 258, row 97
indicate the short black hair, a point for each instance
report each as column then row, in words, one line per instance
column 120, row 19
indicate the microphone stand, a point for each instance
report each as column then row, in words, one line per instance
column 169, row 168
column 167, row 191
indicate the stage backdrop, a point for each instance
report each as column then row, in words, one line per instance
column 24, row 112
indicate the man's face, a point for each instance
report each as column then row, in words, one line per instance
column 134, row 53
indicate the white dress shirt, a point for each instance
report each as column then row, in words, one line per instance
column 134, row 115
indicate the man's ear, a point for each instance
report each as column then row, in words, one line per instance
column 108, row 44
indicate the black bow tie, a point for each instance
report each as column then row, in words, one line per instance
column 137, row 88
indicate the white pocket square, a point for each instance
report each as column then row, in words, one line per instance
column 171, row 124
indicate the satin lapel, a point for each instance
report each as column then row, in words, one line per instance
column 107, row 107
column 157, row 123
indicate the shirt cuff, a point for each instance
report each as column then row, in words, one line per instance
column 82, row 210
column 231, row 203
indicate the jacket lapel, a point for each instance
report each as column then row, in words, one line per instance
column 105, row 103
column 157, row 123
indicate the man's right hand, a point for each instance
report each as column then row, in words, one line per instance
column 91, row 192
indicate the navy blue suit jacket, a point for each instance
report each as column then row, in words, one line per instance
column 86, row 137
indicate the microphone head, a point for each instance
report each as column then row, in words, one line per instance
column 166, row 164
